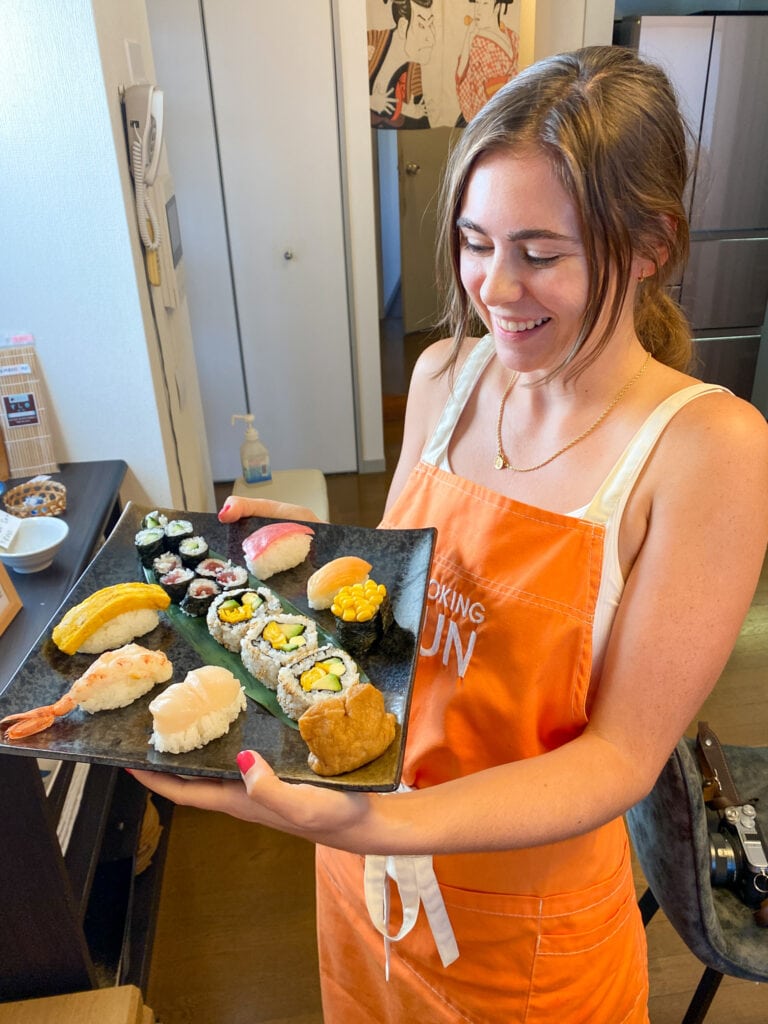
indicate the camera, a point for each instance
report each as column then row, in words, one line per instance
column 739, row 855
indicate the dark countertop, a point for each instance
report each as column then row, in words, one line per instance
column 93, row 506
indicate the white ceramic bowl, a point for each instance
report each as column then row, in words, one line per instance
column 35, row 544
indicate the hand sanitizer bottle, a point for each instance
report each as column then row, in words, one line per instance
column 254, row 457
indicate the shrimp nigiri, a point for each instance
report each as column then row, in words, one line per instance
column 114, row 680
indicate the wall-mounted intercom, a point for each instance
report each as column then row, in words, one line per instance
column 144, row 131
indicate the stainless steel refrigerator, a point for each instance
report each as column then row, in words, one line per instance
column 719, row 66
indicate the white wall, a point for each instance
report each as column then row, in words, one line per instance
column 71, row 271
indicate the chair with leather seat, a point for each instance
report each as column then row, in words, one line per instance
column 670, row 832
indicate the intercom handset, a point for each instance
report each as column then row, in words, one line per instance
column 144, row 127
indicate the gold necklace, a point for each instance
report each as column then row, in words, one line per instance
column 502, row 462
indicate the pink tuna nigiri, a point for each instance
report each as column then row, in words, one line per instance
column 327, row 581
column 276, row 547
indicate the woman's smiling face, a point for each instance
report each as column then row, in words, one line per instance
column 522, row 258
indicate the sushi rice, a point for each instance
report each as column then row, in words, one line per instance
column 263, row 658
column 292, row 696
column 189, row 714
column 246, row 606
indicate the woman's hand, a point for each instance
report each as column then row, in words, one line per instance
column 235, row 508
column 319, row 814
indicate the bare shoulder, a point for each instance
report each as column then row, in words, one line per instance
column 721, row 424
column 430, row 367
column 714, row 456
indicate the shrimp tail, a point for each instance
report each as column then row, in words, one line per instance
column 29, row 723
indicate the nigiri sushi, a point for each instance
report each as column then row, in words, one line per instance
column 114, row 680
column 110, row 617
column 327, row 581
column 189, row 714
column 276, row 547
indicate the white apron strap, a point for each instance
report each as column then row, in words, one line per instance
column 416, row 883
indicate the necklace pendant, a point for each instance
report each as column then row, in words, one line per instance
column 499, row 462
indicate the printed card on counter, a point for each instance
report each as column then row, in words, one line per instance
column 9, row 527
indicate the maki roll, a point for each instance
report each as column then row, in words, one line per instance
column 361, row 615
column 324, row 672
column 232, row 577
column 154, row 519
column 197, row 600
column 232, row 614
column 165, row 562
column 275, row 641
column 176, row 582
column 210, row 567
column 193, row 550
column 176, row 531
column 150, row 542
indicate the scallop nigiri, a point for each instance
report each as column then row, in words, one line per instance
column 114, row 680
column 327, row 581
column 277, row 547
column 189, row 714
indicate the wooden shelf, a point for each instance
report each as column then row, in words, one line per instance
column 78, row 919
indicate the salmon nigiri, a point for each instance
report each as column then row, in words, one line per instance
column 327, row 581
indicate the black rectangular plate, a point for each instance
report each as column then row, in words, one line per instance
column 400, row 559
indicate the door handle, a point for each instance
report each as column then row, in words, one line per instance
column 411, row 168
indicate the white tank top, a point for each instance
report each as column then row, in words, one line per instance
column 607, row 506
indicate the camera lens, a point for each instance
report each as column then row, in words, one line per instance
column 722, row 860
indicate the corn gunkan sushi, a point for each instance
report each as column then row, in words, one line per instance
column 275, row 641
column 362, row 614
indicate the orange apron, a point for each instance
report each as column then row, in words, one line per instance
column 545, row 934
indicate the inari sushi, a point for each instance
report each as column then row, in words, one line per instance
column 327, row 581
column 189, row 714
column 275, row 641
column 324, row 672
column 232, row 614
column 276, row 547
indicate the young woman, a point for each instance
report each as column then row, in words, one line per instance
column 603, row 514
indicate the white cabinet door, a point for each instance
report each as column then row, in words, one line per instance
column 251, row 100
column 274, row 97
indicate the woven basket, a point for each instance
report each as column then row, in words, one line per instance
column 36, row 498
column 149, row 837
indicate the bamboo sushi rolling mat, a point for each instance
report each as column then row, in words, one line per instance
column 28, row 442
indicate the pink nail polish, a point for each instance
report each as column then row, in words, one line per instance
column 245, row 761
column 224, row 508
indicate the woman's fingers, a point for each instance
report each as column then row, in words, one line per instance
column 236, row 507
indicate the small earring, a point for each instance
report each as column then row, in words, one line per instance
column 641, row 277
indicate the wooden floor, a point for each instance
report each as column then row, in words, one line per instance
column 235, row 940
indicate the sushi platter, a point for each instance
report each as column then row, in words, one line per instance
column 400, row 562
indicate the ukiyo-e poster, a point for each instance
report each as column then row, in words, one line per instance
column 434, row 63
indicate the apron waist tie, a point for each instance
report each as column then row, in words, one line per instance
column 416, row 883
